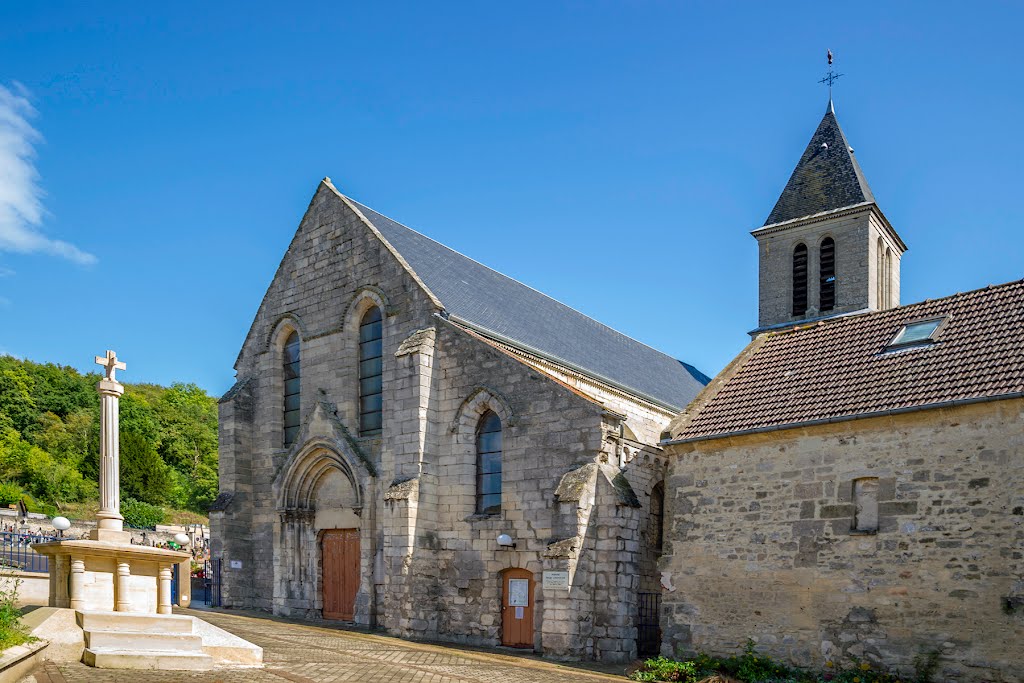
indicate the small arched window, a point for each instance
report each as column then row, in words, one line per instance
column 371, row 372
column 292, row 394
column 658, row 516
column 827, row 262
column 488, row 464
column 800, row 279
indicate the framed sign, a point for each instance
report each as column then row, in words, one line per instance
column 518, row 592
column 236, row 564
column 556, row 580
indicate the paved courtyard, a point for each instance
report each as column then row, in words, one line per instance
column 314, row 653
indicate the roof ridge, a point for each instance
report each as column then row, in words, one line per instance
column 835, row 320
column 498, row 272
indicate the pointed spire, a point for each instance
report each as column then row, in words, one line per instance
column 826, row 178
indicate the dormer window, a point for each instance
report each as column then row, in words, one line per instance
column 917, row 333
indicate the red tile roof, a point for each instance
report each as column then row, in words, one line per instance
column 841, row 368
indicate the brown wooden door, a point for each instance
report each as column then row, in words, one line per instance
column 517, row 608
column 340, row 562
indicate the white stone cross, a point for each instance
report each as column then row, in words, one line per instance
column 111, row 364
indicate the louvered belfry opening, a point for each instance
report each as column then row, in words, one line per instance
column 827, row 260
column 800, row 279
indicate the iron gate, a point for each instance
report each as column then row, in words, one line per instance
column 174, row 583
column 211, row 582
column 648, row 624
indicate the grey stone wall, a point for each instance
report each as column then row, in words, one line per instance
column 761, row 543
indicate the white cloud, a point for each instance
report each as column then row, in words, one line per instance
column 21, row 206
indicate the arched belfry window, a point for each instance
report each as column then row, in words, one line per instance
column 371, row 372
column 827, row 262
column 488, row 464
column 880, row 275
column 800, row 279
column 292, row 395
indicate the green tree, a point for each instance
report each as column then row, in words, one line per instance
column 144, row 475
column 16, row 400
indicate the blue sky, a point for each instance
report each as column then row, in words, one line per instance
column 612, row 155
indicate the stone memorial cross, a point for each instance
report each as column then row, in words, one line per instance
column 110, row 523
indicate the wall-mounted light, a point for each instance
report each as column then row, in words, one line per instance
column 61, row 524
column 505, row 541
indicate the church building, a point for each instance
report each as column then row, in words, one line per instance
column 419, row 443
column 850, row 489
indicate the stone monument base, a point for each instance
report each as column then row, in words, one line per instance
column 110, row 576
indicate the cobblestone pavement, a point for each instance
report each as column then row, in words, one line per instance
column 316, row 653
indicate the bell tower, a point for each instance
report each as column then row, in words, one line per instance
column 826, row 249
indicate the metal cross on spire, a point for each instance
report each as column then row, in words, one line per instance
column 831, row 77
column 111, row 364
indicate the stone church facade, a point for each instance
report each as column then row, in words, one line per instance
column 851, row 487
column 398, row 407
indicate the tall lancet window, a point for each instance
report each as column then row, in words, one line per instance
column 488, row 464
column 827, row 261
column 371, row 372
column 292, row 395
column 800, row 279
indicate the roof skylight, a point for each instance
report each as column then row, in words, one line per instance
column 921, row 332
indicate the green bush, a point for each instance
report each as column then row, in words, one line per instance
column 139, row 514
column 665, row 669
column 12, row 631
column 10, row 493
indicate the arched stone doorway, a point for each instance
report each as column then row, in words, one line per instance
column 323, row 542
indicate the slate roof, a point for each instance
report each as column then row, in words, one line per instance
column 841, row 368
column 494, row 303
column 824, row 179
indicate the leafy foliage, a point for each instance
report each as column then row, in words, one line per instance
column 139, row 514
column 752, row 667
column 49, row 438
column 12, row 631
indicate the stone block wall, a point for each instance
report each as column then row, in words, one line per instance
column 762, row 542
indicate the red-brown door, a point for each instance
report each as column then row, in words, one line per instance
column 340, row 562
column 517, row 608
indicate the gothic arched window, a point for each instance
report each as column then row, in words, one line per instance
column 800, row 279
column 488, row 464
column 658, row 516
column 371, row 372
column 827, row 264
column 292, row 395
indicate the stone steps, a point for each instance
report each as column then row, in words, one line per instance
column 122, row 640
column 129, row 640
column 142, row 659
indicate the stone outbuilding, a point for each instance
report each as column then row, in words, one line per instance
column 851, row 487
column 419, row 443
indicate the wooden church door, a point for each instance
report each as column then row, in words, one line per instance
column 340, row 580
column 517, row 608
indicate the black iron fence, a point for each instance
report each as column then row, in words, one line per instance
column 16, row 551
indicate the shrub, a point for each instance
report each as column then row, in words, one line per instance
column 12, row 631
column 665, row 669
column 139, row 514
column 10, row 493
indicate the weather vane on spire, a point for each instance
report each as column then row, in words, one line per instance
column 831, row 77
